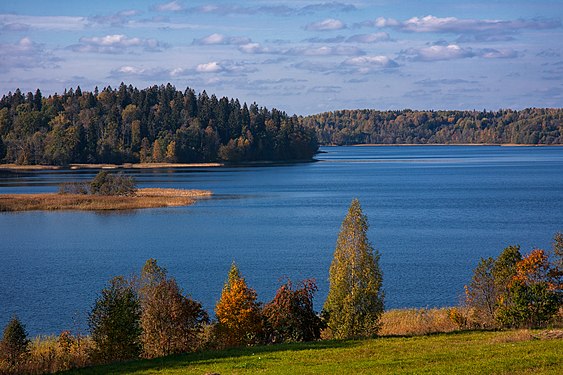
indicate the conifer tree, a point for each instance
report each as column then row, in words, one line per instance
column 14, row 344
column 115, row 323
column 238, row 313
column 355, row 299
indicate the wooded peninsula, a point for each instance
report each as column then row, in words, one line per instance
column 161, row 124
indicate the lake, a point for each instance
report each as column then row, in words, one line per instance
column 433, row 212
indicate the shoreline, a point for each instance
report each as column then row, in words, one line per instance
column 78, row 166
column 448, row 144
column 143, row 198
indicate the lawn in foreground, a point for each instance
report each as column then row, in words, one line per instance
column 462, row 353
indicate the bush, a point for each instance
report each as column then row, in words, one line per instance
column 115, row 323
column 82, row 188
column 290, row 315
column 171, row 322
column 14, row 344
column 105, row 183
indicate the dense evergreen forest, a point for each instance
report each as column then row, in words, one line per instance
column 156, row 124
column 528, row 126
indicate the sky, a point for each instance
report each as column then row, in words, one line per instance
column 299, row 56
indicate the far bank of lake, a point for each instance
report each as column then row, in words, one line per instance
column 434, row 211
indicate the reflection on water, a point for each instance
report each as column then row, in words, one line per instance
column 434, row 211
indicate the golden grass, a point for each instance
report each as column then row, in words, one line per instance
column 144, row 198
column 409, row 322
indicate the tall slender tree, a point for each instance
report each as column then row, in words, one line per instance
column 355, row 299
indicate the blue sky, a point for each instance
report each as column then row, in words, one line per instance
column 298, row 56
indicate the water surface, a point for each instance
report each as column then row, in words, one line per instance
column 434, row 211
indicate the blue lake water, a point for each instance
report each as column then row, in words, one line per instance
column 433, row 210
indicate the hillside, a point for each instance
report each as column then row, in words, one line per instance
column 461, row 353
column 529, row 126
column 152, row 125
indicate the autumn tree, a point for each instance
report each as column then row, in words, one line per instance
column 489, row 287
column 14, row 345
column 239, row 320
column 534, row 299
column 355, row 299
column 290, row 315
column 114, row 322
column 170, row 320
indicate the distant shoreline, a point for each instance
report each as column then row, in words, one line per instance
column 36, row 167
column 452, row 144
column 143, row 198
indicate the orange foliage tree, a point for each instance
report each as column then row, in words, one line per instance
column 239, row 319
column 535, row 298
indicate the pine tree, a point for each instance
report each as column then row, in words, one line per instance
column 115, row 323
column 14, row 344
column 355, row 299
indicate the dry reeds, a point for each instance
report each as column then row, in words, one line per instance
column 407, row 322
column 144, row 198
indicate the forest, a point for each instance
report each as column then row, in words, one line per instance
column 528, row 126
column 156, row 124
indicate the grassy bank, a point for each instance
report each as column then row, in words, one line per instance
column 462, row 353
column 144, row 198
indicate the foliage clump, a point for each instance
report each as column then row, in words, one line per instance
column 115, row 324
column 516, row 291
column 171, row 322
column 290, row 315
column 355, row 300
column 104, row 183
column 239, row 319
column 14, row 346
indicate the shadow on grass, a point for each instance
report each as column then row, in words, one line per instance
column 174, row 362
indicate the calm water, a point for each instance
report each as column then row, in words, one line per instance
column 434, row 211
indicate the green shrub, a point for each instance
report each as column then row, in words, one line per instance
column 115, row 323
column 105, row 183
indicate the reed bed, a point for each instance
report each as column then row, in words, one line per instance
column 144, row 198
column 413, row 322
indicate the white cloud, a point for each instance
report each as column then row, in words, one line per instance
column 218, row 39
column 172, row 6
column 26, row 54
column 325, row 51
column 254, row 48
column 45, row 22
column 210, row 67
column 116, row 43
column 227, row 67
column 367, row 64
column 439, row 52
column 326, row 25
column 453, row 25
column 454, row 51
column 369, row 38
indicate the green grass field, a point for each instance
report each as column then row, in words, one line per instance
column 509, row 352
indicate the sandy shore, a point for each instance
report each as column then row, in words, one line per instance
column 108, row 166
column 144, row 198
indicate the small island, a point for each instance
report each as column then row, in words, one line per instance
column 105, row 192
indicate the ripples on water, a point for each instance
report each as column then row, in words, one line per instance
column 434, row 211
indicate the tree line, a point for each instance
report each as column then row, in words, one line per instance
column 156, row 124
column 528, row 126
